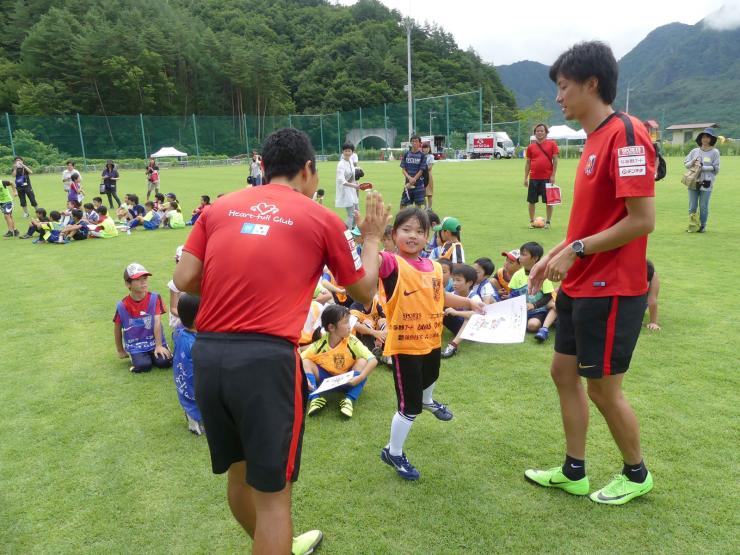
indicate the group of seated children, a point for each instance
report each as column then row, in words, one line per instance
column 164, row 211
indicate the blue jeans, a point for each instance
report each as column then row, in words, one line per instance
column 700, row 199
column 350, row 391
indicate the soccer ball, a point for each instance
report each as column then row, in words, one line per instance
column 539, row 222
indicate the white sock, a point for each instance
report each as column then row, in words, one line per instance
column 426, row 396
column 400, row 428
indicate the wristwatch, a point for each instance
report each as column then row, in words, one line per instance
column 578, row 248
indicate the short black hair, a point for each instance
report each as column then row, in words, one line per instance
column 388, row 231
column 74, row 176
column 70, row 162
column 134, row 197
column 206, row 199
column 286, row 152
column 55, row 215
column 159, row 196
column 41, row 212
column 6, row 183
column 320, row 192
column 88, row 206
column 409, row 214
column 446, row 262
column 414, row 136
column 586, row 60
column 348, row 145
column 77, row 214
column 486, row 265
column 102, row 210
column 467, row 272
column 433, row 218
column 332, row 315
column 149, row 203
column 187, row 309
column 98, row 199
column 533, row 248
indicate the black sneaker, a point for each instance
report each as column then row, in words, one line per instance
column 8, row 234
column 16, row 233
column 25, row 236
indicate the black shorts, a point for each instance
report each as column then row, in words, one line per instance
column 536, row 189
column 412, row 374
column 537, row 316
column 600, row 331
column 251, row 391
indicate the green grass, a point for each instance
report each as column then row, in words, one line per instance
column 95, row 459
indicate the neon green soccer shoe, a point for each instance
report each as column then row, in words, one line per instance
column 621, row 489
column 307, row 542
column 554, row 478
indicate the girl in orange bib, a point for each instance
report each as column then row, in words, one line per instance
column 414, row 309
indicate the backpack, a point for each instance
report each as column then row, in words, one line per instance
column 660, row 166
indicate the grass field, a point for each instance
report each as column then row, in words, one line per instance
column 94, row 459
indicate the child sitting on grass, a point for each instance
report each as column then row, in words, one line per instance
column 484, row 268
column 173, row 217
column 446, row 275
column 552, row 316
column 106, row 227
column 77, row 229
column 148, row 221
column 49, row 229
column 137, row 329
column 529, row 255
column 205, row 203
column 501, row 279
column 370, row 326
column 89, row 213
column 463, row 282
column 337, row 352
column 182, row 362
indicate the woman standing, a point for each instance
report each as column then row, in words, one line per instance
column 110, row 179
column 346, row 195
column 22, row 177
column 255, row 169
column 707, row 157
column 152, row 178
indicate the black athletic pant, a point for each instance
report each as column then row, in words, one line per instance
column 114, row 195
column 26, row 191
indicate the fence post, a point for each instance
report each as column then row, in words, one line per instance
column 10, row 134
column 339, row 135
column 82, row 142
column 447, row 113
column 143, row 135
column 519, row 132
column 246, row 134
column 195, row 134
column 362, row 131
column 385, row 125
column 480, row 108
column 321, row 127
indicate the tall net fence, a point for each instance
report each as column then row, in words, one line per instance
column 87, row 138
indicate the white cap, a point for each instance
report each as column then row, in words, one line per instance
column 136, row 270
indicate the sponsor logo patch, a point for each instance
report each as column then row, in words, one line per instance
column 631, row 161
column 590, row 165
column 631, row 171
column 637, row 150
column 254, row 229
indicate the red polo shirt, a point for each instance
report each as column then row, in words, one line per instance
column 540, row 159
column 618, row 162
column 263, row 250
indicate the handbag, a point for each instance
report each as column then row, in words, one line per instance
column 250, row 180
column 691, row 176
column 552, row 194
column 102, row 188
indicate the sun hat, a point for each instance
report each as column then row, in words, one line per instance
column 709, row 132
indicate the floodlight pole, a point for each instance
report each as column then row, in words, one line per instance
column 10, row 133
column 408, row 24
column 627, row 101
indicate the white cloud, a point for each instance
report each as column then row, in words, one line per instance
column 507, row 32
column 726, row 18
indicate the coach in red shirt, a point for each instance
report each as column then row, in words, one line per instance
column 255, row 258
column 602, row 266
column 540, row 169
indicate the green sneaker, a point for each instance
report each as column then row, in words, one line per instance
column 621, row 489
column 554, row 478
column 307, row 542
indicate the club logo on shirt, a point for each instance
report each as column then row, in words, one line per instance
column 339, row 361
column 263, row 209
column 590, row 165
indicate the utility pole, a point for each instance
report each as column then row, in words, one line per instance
column 627, row 101
column 408, row 24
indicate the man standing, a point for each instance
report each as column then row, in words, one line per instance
column 602, row 267
column 413, row 166
column 540, row 169
column 255, row 258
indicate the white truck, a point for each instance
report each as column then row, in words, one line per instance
column 496, row 144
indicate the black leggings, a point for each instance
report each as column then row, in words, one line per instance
column 114, row 195
column 26, row 191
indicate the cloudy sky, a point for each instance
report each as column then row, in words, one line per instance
column 510, row 31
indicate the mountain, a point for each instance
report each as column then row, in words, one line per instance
column 677, row 74
column 529, row 82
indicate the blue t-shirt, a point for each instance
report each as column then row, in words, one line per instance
column 413, row 162
column 137, row 210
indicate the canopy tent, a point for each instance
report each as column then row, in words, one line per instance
column 563, row 132
column 166, row 151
